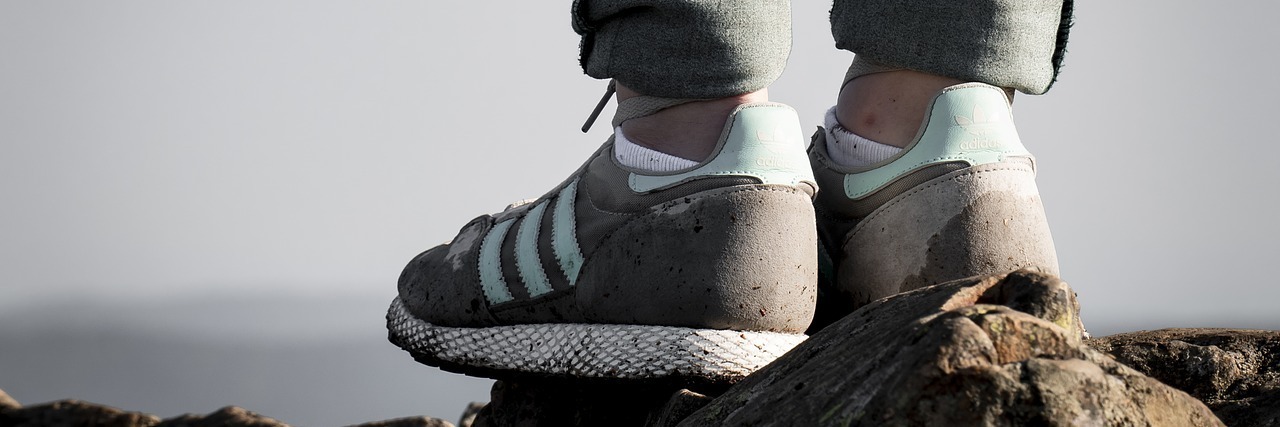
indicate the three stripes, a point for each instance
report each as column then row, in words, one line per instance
column 564, row 244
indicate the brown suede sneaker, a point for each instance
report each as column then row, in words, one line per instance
column 959, row 201
column 702, row 275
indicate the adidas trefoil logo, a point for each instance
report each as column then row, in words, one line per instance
column 776, row 134
column 979, row 124
column 775, row 139
column 979, row 117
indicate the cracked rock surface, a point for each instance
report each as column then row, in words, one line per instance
column 1236, row 372
column 1002, row 350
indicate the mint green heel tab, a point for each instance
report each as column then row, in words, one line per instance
column 971, row 123
column 764, row 142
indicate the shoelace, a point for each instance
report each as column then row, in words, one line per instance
column 632, row 108
column 608, row 93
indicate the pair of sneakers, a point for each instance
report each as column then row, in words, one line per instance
column 709, row 273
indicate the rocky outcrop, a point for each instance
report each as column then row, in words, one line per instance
column 408, row 422
column 78, row 413
column 998, row 350
column 73, row 413
column 227, row 416
column 7, row 403
column 682, row 404
column 961, row 353
column 554, row 402
column 1235, row 372
column 468, row 417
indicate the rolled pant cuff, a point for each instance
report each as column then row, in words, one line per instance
column 700, row 49
column 1008, row 43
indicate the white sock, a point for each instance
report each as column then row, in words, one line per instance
column 646, row 159
column 849, row 149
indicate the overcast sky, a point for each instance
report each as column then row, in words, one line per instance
column 154, row 149
column 170, row 150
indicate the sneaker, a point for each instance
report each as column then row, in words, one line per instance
column 703, row 275
column 959, row 201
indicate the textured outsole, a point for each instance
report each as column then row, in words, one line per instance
column 589, row 351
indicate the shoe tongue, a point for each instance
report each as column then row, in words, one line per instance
column 632, row 108
column 641, row 106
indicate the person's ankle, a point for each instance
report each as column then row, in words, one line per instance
column 688, row 131
column 888, row 107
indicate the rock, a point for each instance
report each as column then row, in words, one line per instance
column 74, row 413
column 555, row 402
column 225, row 417
column 1235, row 372
column 78, row 413
column 960, row 353
column 1261, row 411
column 682, row 404
column 7, row 402
column 408, row 422
column 469, row 415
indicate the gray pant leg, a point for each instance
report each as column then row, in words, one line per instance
column 1006, row 43
column 685, row 48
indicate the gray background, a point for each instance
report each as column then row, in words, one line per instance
column 208, row 203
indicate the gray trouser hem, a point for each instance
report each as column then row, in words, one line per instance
column 713, row 48
column 1008, row 43
column 685, row 48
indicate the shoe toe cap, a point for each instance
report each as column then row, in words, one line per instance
column 441, row 285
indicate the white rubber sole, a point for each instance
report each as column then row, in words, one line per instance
column 599, row 351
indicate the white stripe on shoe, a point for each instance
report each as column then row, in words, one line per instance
column 490, row 263
column 564, row 244
column 527, row 260
column 564, row 240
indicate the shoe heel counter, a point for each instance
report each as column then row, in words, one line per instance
column 980, row 220
column 732, row 258
column 971, row 123
column 762, row 141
